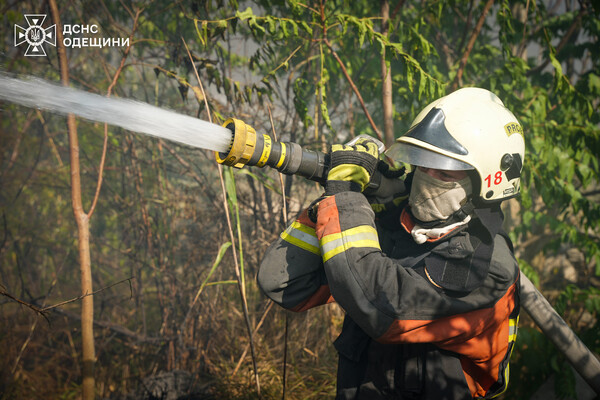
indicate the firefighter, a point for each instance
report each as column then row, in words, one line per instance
column 429, row 283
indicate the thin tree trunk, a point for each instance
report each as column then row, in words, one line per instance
column 386, row 77
column 83, row 229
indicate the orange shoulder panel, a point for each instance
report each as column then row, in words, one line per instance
column 328, row 221
column 479, row 336
column 305, row 220
column 320, row 297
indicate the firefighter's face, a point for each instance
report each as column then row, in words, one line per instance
column 444, row 175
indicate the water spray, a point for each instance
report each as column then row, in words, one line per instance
column 132, row 115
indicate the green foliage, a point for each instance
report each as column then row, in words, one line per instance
column 284, row 43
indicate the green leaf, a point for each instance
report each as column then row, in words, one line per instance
column 271, row 22
column 306, row 27
column 230, row 189
column 244, row 15
column 558, row 74
column 205, row 283
column 325, row 113
column 594, row 83
column 409, row 77
column 421, row 84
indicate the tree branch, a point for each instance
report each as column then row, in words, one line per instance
column 239, row 276
column 566, row 37
column 397, row 9
column 466, row 23
column 354, row 88
column 45, row 309
column 24, row 303
column 108, row 93
column 463, row 61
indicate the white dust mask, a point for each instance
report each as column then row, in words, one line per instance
column 432, row 199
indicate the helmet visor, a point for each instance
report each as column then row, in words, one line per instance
column 421, row 157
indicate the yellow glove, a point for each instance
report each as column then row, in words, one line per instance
column 351, row 166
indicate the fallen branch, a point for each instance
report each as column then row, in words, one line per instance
column 121, row 330
column 43, row 310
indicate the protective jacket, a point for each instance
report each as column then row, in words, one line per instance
column 408, row 333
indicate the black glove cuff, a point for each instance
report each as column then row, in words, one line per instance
column 352, row 157
column 386, row 171
column 335, row 187
column 313, row 209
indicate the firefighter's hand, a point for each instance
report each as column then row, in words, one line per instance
column 351, row 166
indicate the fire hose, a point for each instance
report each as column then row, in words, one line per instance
column 252, row 149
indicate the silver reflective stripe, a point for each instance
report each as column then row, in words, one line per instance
column 302, row 236
column 360, row 236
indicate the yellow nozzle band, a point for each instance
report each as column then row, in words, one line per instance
column 264, row 157
column 282, row 158
column 242, row 148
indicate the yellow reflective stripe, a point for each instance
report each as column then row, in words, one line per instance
column 506, row 378
column 266, row 152
column 512, row 329
column 306, row 229
column 302, row 236
column 300, row 243
column 282, row 158
column 367, row 230
column 512, row 337
column 360, row 236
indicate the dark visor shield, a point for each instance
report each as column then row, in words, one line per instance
column 432, row 129
column 421, row 157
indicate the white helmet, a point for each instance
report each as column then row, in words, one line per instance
column 469, row 129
